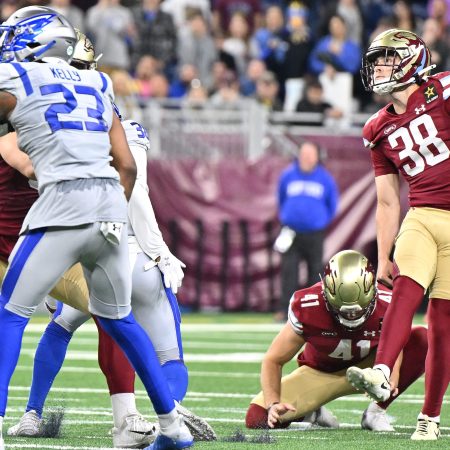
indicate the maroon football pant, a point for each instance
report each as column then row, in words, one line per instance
column 118, row 371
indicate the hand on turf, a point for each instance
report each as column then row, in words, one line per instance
column 172, row 269
column 276, row 411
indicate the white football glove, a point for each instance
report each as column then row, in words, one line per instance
column 172, row 269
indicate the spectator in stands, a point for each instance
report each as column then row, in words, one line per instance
column 237, row 42
column 335, row 49
column 72, row 13
column 313, row 102
column 350, row 11
column 125, row 95
column 440, row 10
column 270, row 43
column 372, row 12
column 267, row 92
column 307, row 200
column 196, row 47
column 223, row 10
column 196, row 97
column 7, row 7
column 146, row 68
column 227, row 96
column 182, row 10
column 437, row 44
column 111, row 27
column 299, row 46
column 404, row 16
column 156, row 34
column 255, row 69
column 180, row 86
column 160, row 86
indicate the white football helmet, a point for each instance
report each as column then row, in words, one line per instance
column 34, row 33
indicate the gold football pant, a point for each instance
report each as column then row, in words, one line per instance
column 71, row 289
column 308, row 389
column 422, row 249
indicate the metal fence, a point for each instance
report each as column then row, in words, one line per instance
column 178, row 129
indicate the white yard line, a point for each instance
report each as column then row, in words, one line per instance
column 189, row 327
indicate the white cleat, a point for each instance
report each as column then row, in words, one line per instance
column 371, row 381
column 376, row 419
column 135, row 432
column 426, row 430
column 322, row 417
column 199, row 427
column 29, row 425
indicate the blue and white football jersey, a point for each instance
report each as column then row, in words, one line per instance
column 62, row 118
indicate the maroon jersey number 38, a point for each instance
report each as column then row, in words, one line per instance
column 416, row 143
column 329, row 346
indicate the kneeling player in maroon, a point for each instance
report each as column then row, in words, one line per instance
column 335, row 324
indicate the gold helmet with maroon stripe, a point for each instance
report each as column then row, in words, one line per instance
column 403, row 51
column 349, row 288
column 84, row 53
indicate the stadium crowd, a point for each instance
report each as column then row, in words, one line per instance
column 299, row 55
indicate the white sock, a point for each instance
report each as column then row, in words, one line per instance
column 1, row 428
column 436, row 419
column 374, row 408
column 385, row 369
column 123, row 405
column 168, row 422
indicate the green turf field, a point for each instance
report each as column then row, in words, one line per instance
column 223, row 354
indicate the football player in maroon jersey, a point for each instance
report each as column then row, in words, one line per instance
column 336, row 323
column 411, row 136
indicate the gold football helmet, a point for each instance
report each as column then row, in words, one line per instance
column 349, row 288
column 84, row 54
column 403, row 51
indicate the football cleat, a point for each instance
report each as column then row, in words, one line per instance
column 426, row 430
column 375, row 419
column 29, row 425
column 135, row 432
column 322, row 417
column 182, row 438
column 371, row 381
column 199, row 428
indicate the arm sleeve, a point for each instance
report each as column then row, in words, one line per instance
column 140, row 210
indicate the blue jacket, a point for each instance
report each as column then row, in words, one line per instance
column 307, row 201
column 349, row 60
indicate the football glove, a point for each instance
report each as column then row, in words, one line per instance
column 172, row 269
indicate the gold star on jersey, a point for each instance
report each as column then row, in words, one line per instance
column 430, row 93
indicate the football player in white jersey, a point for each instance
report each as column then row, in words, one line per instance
column 154, row 306
column 64, row 122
